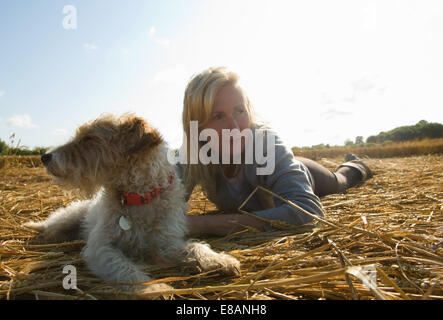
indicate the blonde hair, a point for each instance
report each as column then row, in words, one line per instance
column 198, row 101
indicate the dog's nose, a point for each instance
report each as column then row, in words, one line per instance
column 46, row 158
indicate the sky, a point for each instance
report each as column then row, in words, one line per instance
column 317, row 71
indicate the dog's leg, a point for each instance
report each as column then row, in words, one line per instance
column 208, row 259
column 111, row 265
column 171, row 245
column 180, row 251
column 62, row 225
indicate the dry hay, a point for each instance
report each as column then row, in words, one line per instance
column 393, row 224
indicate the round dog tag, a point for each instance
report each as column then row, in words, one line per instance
column 124, row 223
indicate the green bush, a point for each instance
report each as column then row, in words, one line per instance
column 3, row 147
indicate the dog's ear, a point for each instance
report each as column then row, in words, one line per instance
column 137, row 135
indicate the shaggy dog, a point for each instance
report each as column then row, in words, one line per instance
column 138, row 210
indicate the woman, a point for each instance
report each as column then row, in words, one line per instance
column 215, row 99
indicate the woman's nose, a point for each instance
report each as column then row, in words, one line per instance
column 232, row 123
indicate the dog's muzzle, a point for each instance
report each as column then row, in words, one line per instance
column 46, row 158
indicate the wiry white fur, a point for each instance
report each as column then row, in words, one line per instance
column 158, row 230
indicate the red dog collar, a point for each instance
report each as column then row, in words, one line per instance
column 145, row 198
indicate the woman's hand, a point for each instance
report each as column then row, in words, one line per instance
column 221, row 224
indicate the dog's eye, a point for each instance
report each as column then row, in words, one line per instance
column 87, row 139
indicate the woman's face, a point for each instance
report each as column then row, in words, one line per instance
column 229, row 112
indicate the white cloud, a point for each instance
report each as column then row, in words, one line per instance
column 2, row 92
column 176, row 74
column 21, row 121
column 366, row 83
column 333, row 112
column 90, row 46
column 151, row 31
column 60, row 132
column 160, row 41
column 351, row 92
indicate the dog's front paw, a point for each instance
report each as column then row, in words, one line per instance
column 140, row 286
column 157, row 287
column 148, row 290
column 222, row 262
column 230, row 265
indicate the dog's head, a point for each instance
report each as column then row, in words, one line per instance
column 98, row 149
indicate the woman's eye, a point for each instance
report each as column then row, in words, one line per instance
column 218, row 117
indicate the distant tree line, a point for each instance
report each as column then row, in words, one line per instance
column 422, row 130
column 18, row 150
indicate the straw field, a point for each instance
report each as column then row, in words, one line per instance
column 382, row 240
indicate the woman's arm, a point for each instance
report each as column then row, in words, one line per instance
column 221, row 224
column 217, row 225
column 292, row 181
